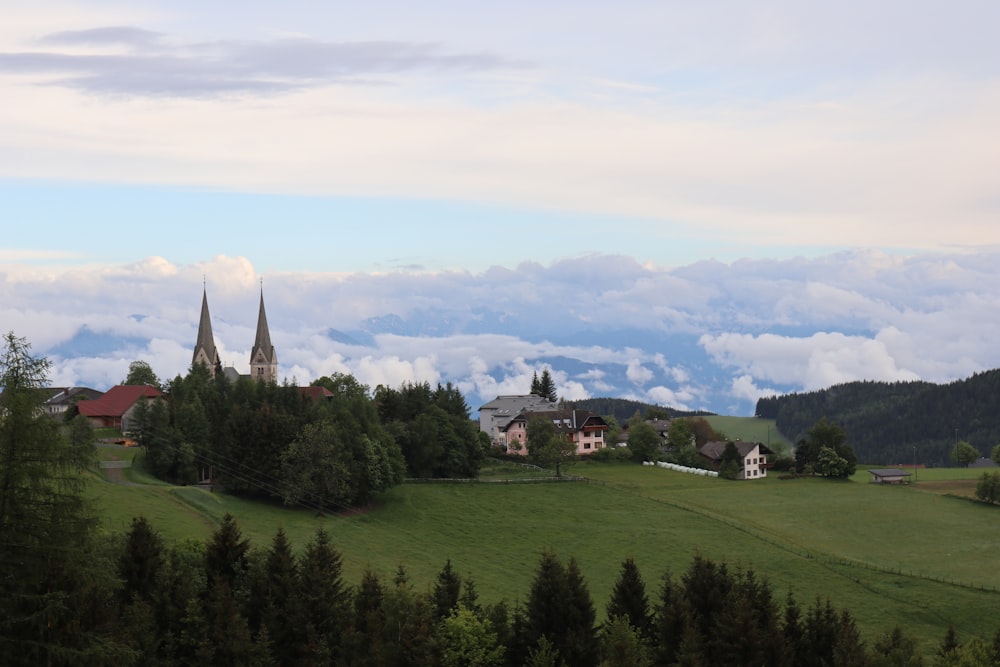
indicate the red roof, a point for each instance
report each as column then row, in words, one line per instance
column 117, row 400
column 316, row 393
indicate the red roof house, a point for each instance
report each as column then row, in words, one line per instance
column 115, row 409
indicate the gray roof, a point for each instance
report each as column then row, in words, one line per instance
column 890, row 472
column 714, row 450
column 511, row 405
column 206, row 341
column 262, row 342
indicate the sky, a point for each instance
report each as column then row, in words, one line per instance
column 165, row 147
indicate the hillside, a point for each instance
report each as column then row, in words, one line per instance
column 895, row 422
column 803, row 536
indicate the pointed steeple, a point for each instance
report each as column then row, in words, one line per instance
column 263, row 358
column 204, row 348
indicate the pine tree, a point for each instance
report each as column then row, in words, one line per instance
column 547, row 386
column 580, row 645
column 949, row 643
column 226, row 554
column 670, row 622
column 324, row 599
column 281, row 607
column 446, row 591
column 47, row 556
column 628, row 599
column 141, row 561
column 545, row 611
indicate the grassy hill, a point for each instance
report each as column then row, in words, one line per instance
column 890, row 554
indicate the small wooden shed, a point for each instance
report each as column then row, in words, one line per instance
column 890, row 476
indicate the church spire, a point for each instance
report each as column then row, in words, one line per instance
column 204, row 348
column 263, row 358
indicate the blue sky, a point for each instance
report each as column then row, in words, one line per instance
column 808, row 191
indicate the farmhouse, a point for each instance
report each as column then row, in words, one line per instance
column 753, row 457
column 890, row 476
column 582, row 427
column 116, row 408
column 61, row 399
column 496, row 415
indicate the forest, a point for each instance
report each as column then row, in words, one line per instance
column 895, row 422
column 265, row 439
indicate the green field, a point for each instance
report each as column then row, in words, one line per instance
column 889, row 554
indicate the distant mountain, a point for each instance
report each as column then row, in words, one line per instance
column 895, row 422
column 88, row 343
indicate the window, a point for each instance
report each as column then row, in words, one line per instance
column 586, row 445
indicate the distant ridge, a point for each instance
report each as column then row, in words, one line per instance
column 623, row 409
column 885, row 421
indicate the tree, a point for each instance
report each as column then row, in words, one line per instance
column 729, row 466
column 139, row 372
column 995, row 454
column 324, row 600
column 830, row 464
column 824, row 434
column 628, row 599
column 643, row 442
column 226, row 554
column 547, row 447
column 988, row 487
column 468, row 640
column 544, row 386
column 622, row 645
column 51, row 567
column 964, row 453
column 679, row 434
column 446, row 591
column 141, row 560
column 81, row 433
column 896, row 649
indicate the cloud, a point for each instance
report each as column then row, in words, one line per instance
column 874, row 317
column 155, row 65
column 637, row 373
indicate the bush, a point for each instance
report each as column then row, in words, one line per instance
column 988, row 488
column 610, row 455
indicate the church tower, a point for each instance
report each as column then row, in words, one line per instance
column 263, row 358
column 204, row 349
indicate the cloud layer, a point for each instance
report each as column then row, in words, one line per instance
column 704, row 336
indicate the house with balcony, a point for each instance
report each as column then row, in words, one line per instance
column 753, row 457
column 584, row 428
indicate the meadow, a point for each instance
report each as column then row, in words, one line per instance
column 892, row 555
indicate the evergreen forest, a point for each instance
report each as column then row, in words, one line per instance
column 325, row 451
column 895, row 422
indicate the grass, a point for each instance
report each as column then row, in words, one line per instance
column 750, row 429
column 889, row 554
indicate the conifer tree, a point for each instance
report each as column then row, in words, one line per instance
column 324, row 599
column 670, row 622
column 628, row 599
column 369, row 621
column 226, row 554
column 140, row 561
column 280, row 615
column 580, row 645
column 446, row 591
column 47, row 554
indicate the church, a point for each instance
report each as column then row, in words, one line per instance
column 263, row 358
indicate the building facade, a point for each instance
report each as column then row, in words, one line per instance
column 263, row 357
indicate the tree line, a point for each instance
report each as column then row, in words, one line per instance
column 887, row 420
column 266, row 439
